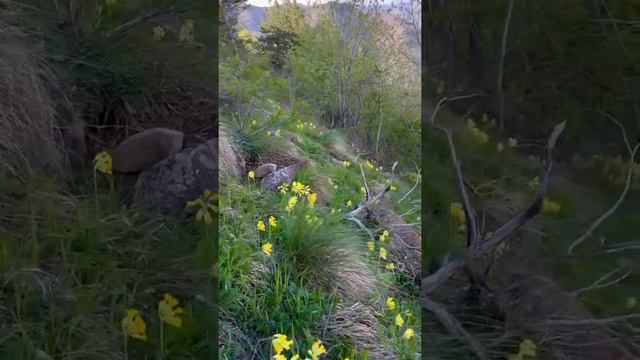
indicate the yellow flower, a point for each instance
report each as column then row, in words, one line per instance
column 370, row 165
column 513, row 142
column 500, row 147
column 284, row 188
column 261, row 226
column 408, row 334
column 391, row 303
column 457, row 213
column 333, row 211
column 349, row 204
column 267, row 248
column 300, row 189
column 533, row 184
column 279, row 357
column 550, row 206
column 383, row 253
column 390, row 266
column 295, row 357
column 363, row 190
column 103, row 162
column 399, row 320
column 527, row 347
column 252, row 175
column 134, row 326
column 371, row 245
column 291, row 203
column 393, row 188
column 280, row 343
column 312, row 199
column 346, row 163
column 273, row 222
column 168, row 310
column 159, row 33
column 317, row 349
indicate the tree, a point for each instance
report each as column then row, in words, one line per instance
column 281, row 32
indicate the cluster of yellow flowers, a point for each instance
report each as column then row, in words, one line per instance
column 299, row 188
column 399, row 321
column 346, row 163
column 251, row 175
column 302, row 125
column 275, row 133
column 280, row 343
column 133, row 324
column 478, row 135
column 371, row 245
column 456, row 211
column 313, row 220
column 103, row 162
column 267, row 248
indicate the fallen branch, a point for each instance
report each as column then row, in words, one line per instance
column 453, row 326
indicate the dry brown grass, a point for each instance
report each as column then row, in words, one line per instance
column 359, row 323
column 29, row 137
column 230, row 160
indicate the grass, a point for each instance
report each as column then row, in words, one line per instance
column 320, row 281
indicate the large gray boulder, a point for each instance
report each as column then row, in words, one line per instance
column 166, row 187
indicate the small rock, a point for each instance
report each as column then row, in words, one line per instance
column 285, row 175
column 264, row 170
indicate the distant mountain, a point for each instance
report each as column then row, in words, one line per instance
column 252, row 17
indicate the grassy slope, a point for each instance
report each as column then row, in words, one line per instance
column 320, row 266
column 73, row 265
column 503, row 179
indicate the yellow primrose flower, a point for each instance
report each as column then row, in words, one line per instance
column 273, row 222
column 313, row 198
column 631, row 302
column 291, row 203
column 335, row 187
column 399, row 320
column 254, row 122
column 252, row 175
column 295, row 357
column 349, row 204
column 550, row 206
column 134, row 326
column 385, row 234
column 300, row 189
column 457, row 213
column 261, row 226
column 168, row 310
column 280, row 343
column 393, row 188
column 513, row 142
column 383, row 253
column 370, row 165
column 533, row 184
column 333, row 211
column 284, row 188
column 103, row 162
column 279, row 357
column 267, row 248
column 363, row 190
column 159, row 33
column 268, row 133
column 500, row 147
column 371, row 245
column 346, row 163
column 317, row 349
column 390, row 266
column 408, row 334
column 391, row 303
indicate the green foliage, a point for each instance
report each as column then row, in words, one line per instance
column 281, row 31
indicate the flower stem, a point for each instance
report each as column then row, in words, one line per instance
column 161, row 340
column 126, row 348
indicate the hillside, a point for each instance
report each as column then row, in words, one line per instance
column 320, row 193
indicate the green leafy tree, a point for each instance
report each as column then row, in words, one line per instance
column 281, row 32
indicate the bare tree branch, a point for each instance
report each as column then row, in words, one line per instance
column 598, row 284
column 503, row 51
column 632, row 154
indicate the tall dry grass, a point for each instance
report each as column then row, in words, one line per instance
column 30, row 140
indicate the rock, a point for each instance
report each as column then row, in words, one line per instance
column 144, row 149
column 282, row 176
column 264, row 170
column 166, row 187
